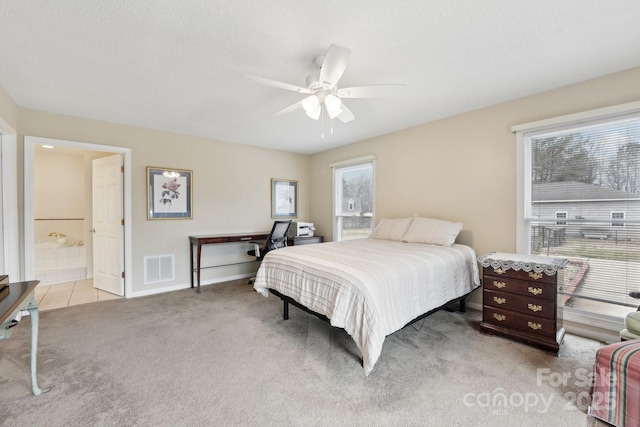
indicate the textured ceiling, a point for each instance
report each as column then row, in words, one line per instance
column 177, row 65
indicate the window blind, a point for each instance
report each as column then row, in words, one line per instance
column 584, row 204
column 353, row 199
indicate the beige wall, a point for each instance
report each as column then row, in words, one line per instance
column 8, row 109
column 231, row 185
column 58, row 185
column 59, row 195
column 462, row 168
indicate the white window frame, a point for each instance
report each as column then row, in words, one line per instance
column 560, row 215
column 598, row 326
column 614, row 217
column 337, row 192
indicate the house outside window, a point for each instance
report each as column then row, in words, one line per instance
column 617, row 215
column 589, row 167
column 353, row 184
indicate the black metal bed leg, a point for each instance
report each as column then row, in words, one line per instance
column 285, row 310
column 451, row 305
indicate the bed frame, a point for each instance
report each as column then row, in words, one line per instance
column 449, row 306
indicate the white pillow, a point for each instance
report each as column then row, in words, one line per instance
column 391, row 229
column 432, row 231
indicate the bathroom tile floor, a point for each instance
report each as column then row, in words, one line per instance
column 70, row 293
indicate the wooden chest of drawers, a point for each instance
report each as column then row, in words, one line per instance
column 522, row 305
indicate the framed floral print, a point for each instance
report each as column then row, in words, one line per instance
column 169, row 193
column 284, row 198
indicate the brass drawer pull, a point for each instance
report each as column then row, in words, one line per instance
column 534, row 307
column 499, row 317
column 534, row 326
column 498, row 271
column 535, row 276
column 499, row 285
column 500, row 300
column 535, row 291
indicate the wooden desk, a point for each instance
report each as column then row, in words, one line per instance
column 22, row 297
column 210, row 239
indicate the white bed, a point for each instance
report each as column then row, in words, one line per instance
column 370, row 287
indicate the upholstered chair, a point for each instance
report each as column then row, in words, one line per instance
column 631, row 329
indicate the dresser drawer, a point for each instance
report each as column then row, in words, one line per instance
column 521, row 275
column 523, row 304
column 531, row 324
column 506, row 284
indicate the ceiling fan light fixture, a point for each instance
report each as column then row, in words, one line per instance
column 335, row 113
column 310, row 104
column 333, row 103
column 323, row 92
column 315, row 114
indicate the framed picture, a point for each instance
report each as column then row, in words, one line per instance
column 169, row 193
column 284, row 198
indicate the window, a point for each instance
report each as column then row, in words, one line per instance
column 589, row 167
column 617, row 215
column 353, row 199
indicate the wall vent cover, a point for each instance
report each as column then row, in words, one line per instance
column 159, row 268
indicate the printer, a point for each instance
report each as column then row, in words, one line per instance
column 301, row 229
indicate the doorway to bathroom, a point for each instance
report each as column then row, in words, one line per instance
column 60, row 243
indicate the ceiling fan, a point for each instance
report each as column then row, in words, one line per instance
column 322, row 88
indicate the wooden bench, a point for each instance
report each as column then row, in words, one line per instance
column 600, row 236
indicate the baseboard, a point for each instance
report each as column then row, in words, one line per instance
column 596, row 326
column 188, row 285
column 474, row 306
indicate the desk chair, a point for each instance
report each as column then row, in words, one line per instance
column 277, row 239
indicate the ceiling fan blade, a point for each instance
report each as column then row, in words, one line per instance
column 277, row 84
column 289, row 109
column 346, row 116
column 334, row 64
column 373, row 91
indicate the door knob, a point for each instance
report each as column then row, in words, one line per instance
column 93, row 230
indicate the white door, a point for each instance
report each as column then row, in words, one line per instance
column 108, row 225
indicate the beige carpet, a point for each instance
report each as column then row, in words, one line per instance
column 226, row 357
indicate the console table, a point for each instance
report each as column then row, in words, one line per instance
column 199, row 241
column 21, row 297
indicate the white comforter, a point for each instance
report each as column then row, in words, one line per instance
column 370, row 287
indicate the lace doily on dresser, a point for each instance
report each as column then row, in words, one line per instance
column 536, row 263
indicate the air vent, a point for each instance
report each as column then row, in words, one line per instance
column 158, row 268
